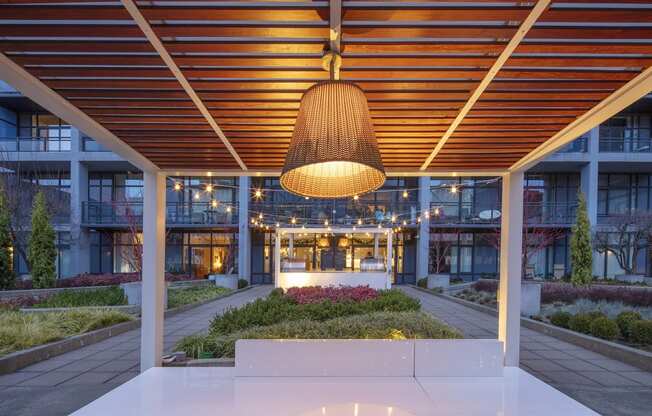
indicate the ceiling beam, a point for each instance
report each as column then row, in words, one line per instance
column 167, row 58
column 398, row 172
column 529, row 21
column 631, row 92
column 37, row 91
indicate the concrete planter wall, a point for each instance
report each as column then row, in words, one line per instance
column 438, row 280
column 38, row 293
column 630, row 278
column 226, row 281
column 530, row 298
column 134, row 293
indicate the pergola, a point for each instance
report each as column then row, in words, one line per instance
column 213, row 88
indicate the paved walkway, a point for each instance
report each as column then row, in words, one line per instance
column 608, row 386
column 67, row 382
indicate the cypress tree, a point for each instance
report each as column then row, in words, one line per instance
column 42, row 251
column 7, row 275
column 580, row 247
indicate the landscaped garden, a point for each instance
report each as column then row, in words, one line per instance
column 19, row 331
column 615, row 313
column 317, row 313
column 194, row 294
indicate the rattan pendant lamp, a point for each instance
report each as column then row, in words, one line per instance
column 333, row 152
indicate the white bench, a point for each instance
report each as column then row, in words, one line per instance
column 369, row 358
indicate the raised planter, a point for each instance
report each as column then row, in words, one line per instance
column 439, row 280
column 530, row 298
column 19, row 359
column 223, row 280
column 130, row 309
column 630, row 278
column 632, row 356
column 134, row 293
column 39, row 293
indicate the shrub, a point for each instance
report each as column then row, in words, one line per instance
column 107, row 279
column 379, row 325
column 19, row 331
column 186, row 296
column 625, row 320
column 604, row 328
column 564, row 292
column 641, row 332
column 490, row 286
column 318, row 294
column 581, row 323
column 242, row 283
column 276, row 292
column 109, row 296
column 7, row 275
column 42, row 252
column 560, row 319
column 423, row 283
column 275, row 309
column 581, row 251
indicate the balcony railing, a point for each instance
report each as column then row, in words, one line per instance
column 626, row 145
column 579, row 145
column 336, row 212
column 534, row 213
column 34, row 144
column 131, row 213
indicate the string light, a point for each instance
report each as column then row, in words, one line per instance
column 437, row 211
column 379, row 226
column 405, row 194
column 326, row 222
column 260, row 216
column 359, row 221
column 228, row 209
column 278, row 224
column 418, row 219
column 393, row 218
column 253, row 221
column 258, row 193
column 196, row 195
column 177, row 186
column 307, row 198
column 293, row 220
column 427, row 215
column 209, row 188
column 404, row 223
column 214, row 203
column 355, row 197
column 454, row 189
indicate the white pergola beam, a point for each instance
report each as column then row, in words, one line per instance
column 511, row 248
column 389, row 172
column 153, row 271
column 167, row 58
column 529, row 21
column 620, row 99
column 32, row 88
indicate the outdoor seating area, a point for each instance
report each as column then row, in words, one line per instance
column 332, row 99
column 344, row 377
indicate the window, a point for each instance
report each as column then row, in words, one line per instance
column 43, row 133
column 623, row 193
column 551, row 198
column 465, row 200
column 626, row 133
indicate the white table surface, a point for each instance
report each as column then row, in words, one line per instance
column 197, row 391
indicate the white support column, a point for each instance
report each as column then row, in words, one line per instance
column 589, row 176
column 244, row 236
column 511, row 239
column 424, row 228
column 376, row 244
column 79, row 236
column 151, row 332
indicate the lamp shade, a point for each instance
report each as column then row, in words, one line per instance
column 333, row 152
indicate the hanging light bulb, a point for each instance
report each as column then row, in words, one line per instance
column 209, row 188
column 354, row 228
column 405, row 194
column 196, row 195
column 228, row 209
column 177, row 186
column 454, row 189
column 379, row 226
column 258, row 193
column 214, row 203
column 307, row 198
column 404, row 223
column 356, row 197
column 260, row 216
column 293, row 220
column 427, row 215
column 437, row 211
column 418, row 219
column 278, row 224
column 393, row 218
column 326, row 222
column 253, row 220
column 360, row 221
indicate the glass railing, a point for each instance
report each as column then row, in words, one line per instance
column 579, row 145
column 128, row 213
column 315, row 213
column 533, row 213
column 626, row 145
column 33, row 144
column 90, row 145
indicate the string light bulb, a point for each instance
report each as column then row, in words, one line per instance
column 293, row 220
column 196, row 195
column 427, row 215
column 355, row 197
column 454, row 189
column 228, row 209
column 253, row 220
column 214, row 203
column 209, row 188
column 437, row 211
column 393, row 218
column 326, row 223
column 258, row 193
column 360, row 221
column 405, row 194
column 177, row 186
column 404, row 223
column 278, row 224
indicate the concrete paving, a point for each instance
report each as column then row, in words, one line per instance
column 65, row 383
column 607, row 386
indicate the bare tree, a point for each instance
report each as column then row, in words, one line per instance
column 19, row 185
column 624, row 237
column 440, row 249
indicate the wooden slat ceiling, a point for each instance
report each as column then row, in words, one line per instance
column 250, row 62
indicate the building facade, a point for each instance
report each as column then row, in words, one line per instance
column 224, row 225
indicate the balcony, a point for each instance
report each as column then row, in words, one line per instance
column 34, row 144
column 579, row 145
column 536, row 213
column 626, row 145
column 131, row 213
column 336, row 212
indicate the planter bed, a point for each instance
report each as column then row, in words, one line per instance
column 129, row 309
column 24, row 358
column 317, row 313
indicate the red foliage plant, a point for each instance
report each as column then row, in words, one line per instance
column 318, row 294
column 106, row 279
